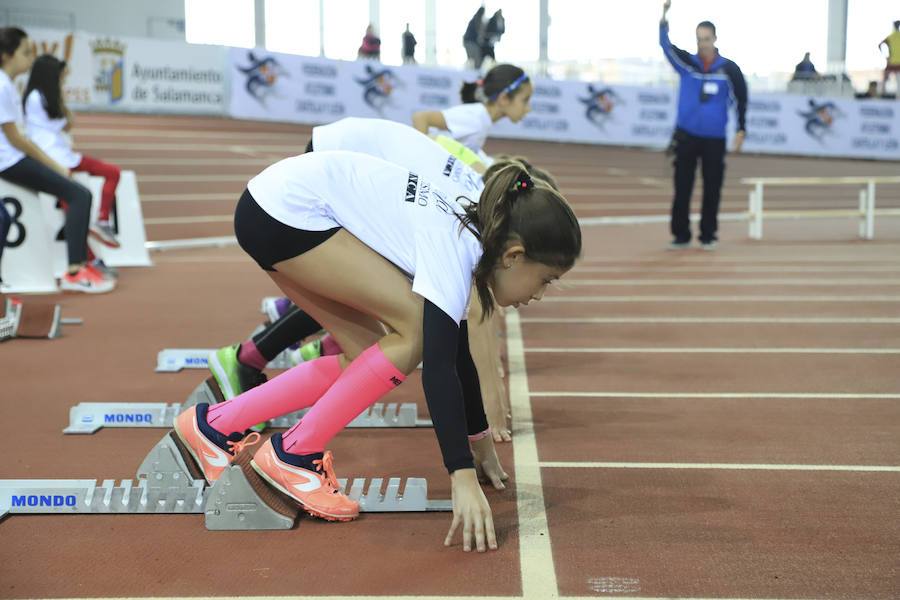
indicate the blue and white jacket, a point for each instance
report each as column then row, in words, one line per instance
column 705, row 95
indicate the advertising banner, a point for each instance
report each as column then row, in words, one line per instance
column 138, row 74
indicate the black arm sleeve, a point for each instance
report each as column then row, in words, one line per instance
column 443, row 391
column 476, row 421
column 739, row 85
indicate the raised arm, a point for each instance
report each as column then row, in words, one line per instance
column 677, row 57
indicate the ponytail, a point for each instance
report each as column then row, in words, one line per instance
column 469, row 92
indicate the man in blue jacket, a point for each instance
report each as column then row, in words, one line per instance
column 710, row 83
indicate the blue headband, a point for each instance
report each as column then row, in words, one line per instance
column 511, row 87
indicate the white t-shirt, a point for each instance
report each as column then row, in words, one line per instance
column 404, row 146
column 468, row 124
column 47, row 133
column 401, row 216
column 10, row 112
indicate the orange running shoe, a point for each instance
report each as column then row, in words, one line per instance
column 212, row 451
column 308, row 479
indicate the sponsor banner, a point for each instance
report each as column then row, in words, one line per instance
column 284, row 87
column 595, row 113
column 138, row 74
column 815, row 126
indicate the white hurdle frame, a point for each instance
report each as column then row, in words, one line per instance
column 865, row 213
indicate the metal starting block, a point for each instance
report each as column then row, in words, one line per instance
column 32, row 320
column 168, row 483
column 173, row 360
column 90, row 417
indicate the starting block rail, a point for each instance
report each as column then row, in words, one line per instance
column 166, row 484
column 173, row 360
column 90, row 417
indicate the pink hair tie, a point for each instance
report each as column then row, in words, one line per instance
column 480, row 436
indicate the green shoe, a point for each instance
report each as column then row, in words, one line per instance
column 234, row 378
column 311, row 351
column 307, row 352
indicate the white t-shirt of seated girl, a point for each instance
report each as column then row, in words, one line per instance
column 468, row 124
column 404, row 146
column 47, row 133
column 402, row 216
column 10, row 112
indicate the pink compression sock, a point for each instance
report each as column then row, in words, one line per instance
column 250, row 355
column 367, row 379
column 296, row 388
column 330, row 346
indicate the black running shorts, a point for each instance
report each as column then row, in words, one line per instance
column 268, row 240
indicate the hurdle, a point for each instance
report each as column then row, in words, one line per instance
column 866, row 212
column 86, row 418
column 168, row 482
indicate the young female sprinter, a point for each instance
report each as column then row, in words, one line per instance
column 238, row 367
column 23, row 163
column 505, row 91
column 48, row 119
column 358, row 242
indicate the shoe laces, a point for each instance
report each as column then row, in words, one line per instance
column 325, row 465
column 238, row 446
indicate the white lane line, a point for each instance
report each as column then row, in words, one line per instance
column 662, row 270
column 706, row 260
column 715, row 320
column 192, row 134
column 284, row 150
column 654, row 350
column 750, row 298
column 719, row 466
column 363, row 597
column 535, row 553
column 707, row 282
column 189, row 220
column 194, row 178
column 193, row 162
column 717, row 395
column 646, row 219
column 216, row 197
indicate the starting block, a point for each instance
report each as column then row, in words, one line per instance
column 32, row 320
column 90, row 417
column 173, row 360
column 169, row 483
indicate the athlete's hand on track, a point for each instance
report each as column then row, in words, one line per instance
column 487, row 464
column 472, row 511
column 496, row 407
